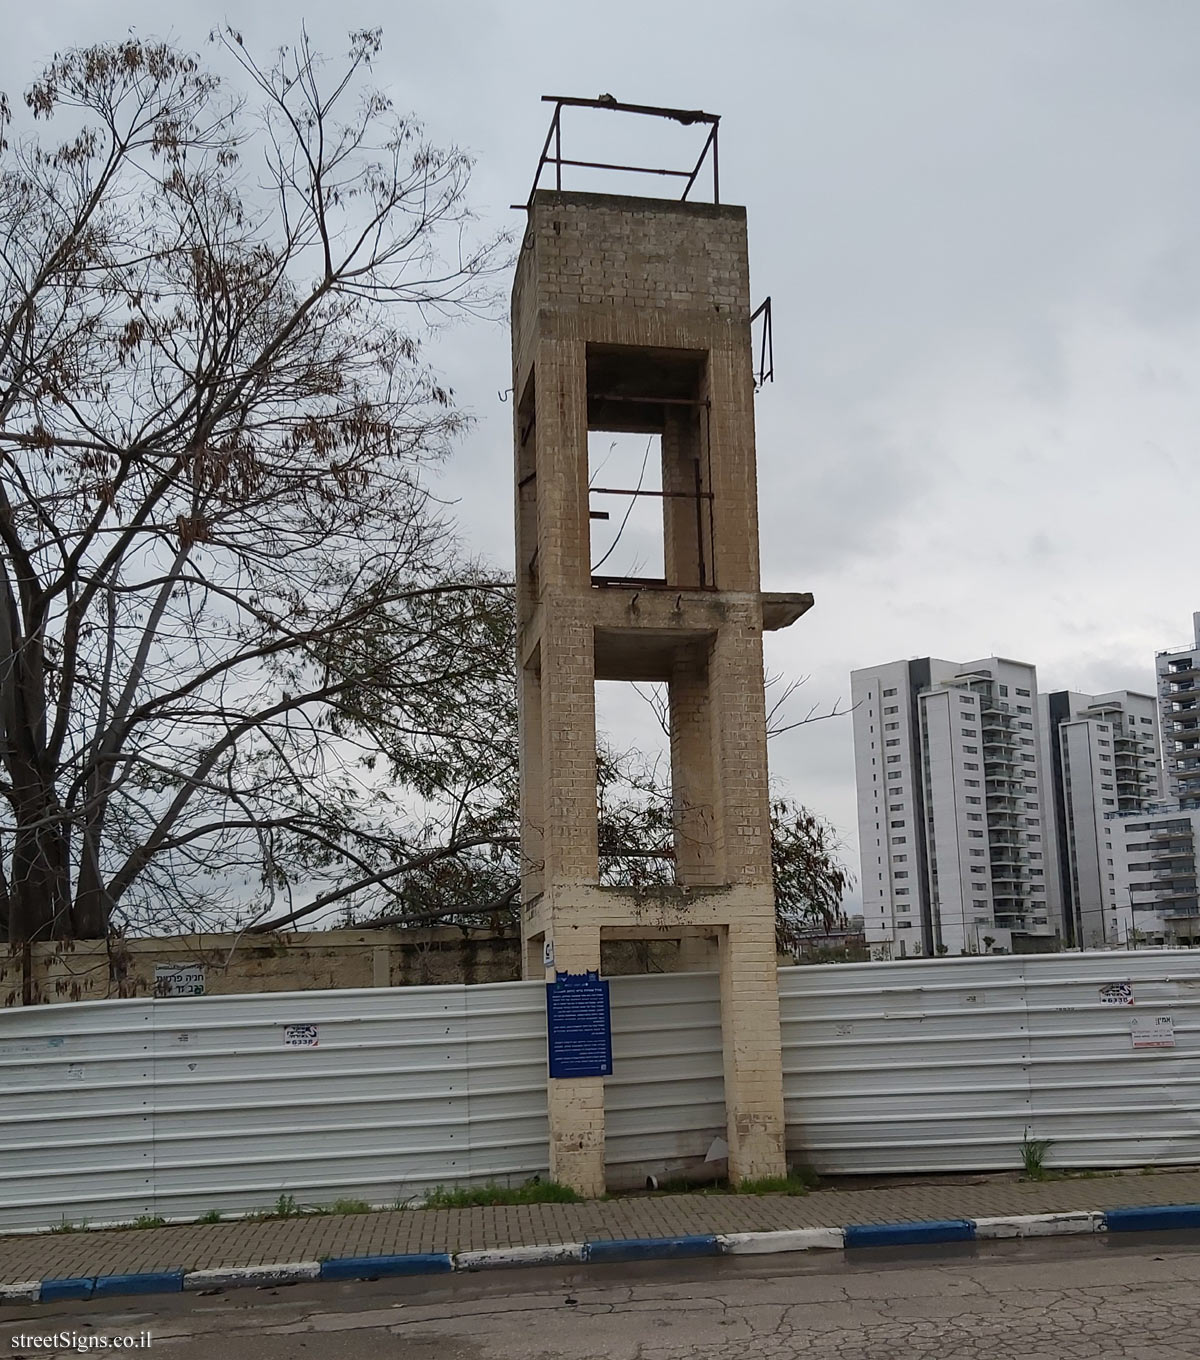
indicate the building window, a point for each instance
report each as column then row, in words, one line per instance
column 898, row 826
column 887, row 693
column 1022, row 693
column 969, row 765
column 970, row 750
column 969, row 732
column 898, row 840
column 971, row 784
column 888, row 711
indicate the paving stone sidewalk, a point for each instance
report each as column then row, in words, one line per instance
column 316, row 1237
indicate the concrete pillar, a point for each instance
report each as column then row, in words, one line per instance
column 752, row 1051
column 692, row 770
column 576, row 1106
column 698, row 954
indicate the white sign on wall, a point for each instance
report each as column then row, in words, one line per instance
column 178, row 979
column 1152, row 1031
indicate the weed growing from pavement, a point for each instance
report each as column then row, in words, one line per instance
column 474, row 1196
column 1033, row 1155
column 798, row 1181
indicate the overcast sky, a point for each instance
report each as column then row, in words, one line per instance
column 978, row 224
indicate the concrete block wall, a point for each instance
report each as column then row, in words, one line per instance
column 94, row 970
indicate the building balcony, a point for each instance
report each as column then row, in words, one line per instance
column 1182, row 910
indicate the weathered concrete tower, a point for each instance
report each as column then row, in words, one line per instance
column 633, row 314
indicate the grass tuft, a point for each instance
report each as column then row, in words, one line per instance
column 1033, row 1157
column 796, row 1182
column 347, row 1206
column 476, row 1196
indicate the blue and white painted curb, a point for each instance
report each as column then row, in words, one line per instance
column 1152, row 1218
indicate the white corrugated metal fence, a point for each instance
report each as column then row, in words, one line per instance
column 116, row 1109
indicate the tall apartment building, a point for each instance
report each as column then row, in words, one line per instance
column 1100, row 753
column 1179, row 715
column 1153, row 851
column 950, row 806
column 1154, row 857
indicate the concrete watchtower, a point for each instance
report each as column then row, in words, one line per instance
column 633, row 314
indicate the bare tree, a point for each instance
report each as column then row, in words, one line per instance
column 230, row 614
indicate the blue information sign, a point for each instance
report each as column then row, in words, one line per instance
column 578, row 1030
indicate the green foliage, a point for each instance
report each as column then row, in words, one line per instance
column 348, row 1206
column 211, row 1216
column 791, row 1184
column 286, row 1207
column 1033, row 1154
column 470, row 1197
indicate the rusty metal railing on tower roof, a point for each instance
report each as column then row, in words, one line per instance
column 552, row 152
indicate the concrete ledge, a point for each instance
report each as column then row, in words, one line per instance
column 652, row 1248
column 910, row 1234
column 499, row 1258
column 237, row 1277
column 1152, row 1218
column 152, row 1282
column 793, row 1239
column 1037, row 1225
column 1155, row 1218
column 368, row 1267
column 23, row 1291
column 58, row 1291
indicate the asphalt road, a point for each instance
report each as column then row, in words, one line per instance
column 1066, row 1298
